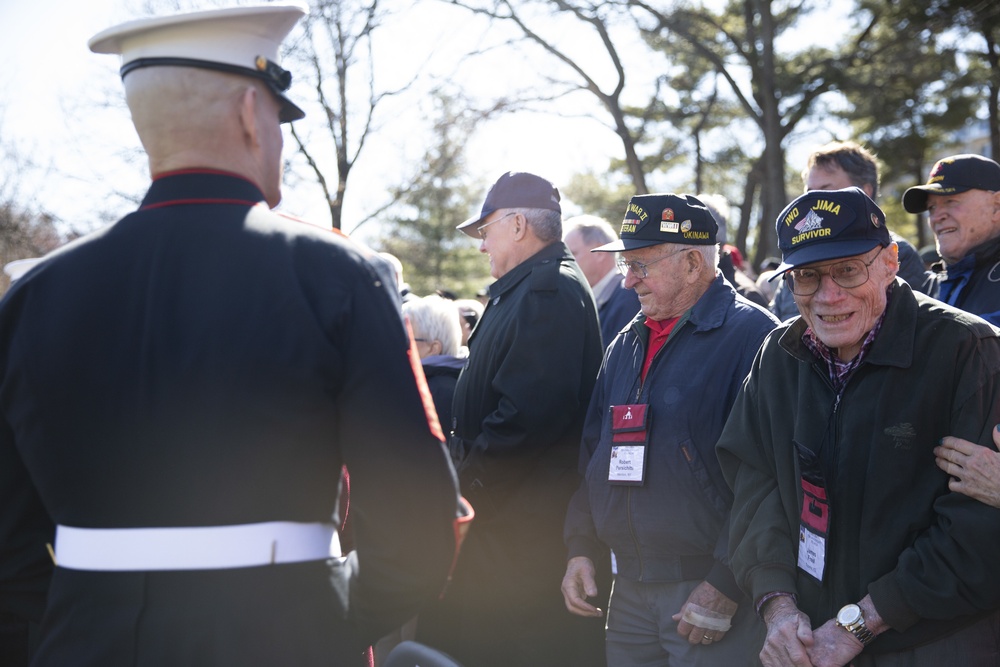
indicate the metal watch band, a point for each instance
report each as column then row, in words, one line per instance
column 861, row 631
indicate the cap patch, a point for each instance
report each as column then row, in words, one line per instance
column 682, row 219
column 829, row 224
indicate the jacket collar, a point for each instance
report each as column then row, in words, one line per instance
column 556, row 251
column 201, row 186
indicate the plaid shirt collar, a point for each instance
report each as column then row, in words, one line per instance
column 839, row 369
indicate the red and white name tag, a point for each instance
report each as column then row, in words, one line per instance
column 813, row 528
column 629, row 438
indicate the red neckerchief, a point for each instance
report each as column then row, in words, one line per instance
column 658, row 334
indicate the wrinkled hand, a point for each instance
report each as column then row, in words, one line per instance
column 789, row 635
column 833, row 646
column 705, row 601
column 578, row 584
column 975, row 470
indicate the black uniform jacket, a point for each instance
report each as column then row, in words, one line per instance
column 202, row 362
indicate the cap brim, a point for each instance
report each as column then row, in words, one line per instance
column 469, row 226
column 289, row 110
column 915, row 198
column 822, row 252
column 625, row 244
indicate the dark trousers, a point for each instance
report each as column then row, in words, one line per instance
column 504, row 606
column 641, row 632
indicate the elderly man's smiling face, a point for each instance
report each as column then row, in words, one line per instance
column 840, row 316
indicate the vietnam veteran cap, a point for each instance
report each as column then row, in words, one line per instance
column 238, row 40
column 515, row 190
column 664, row 218
column 829, row 224
column 952, row 175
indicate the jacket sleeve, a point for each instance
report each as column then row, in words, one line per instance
column 25, row 565
column 950, row 568
column 579, row 531
column 721, row 576
column 404, row 496
column 761, row 548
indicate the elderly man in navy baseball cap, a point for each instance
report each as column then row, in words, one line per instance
column 828, row 447
column 962, row 200
column 839, row 235
column 668, row 380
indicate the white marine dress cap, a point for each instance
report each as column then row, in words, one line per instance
column 238, row 40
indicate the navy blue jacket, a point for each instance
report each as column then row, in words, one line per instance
column 675, row 526
column 973, row 283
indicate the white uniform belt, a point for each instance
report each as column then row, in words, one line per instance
column 196, row 548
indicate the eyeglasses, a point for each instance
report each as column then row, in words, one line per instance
column 638, row 269
column 482, row 234
column 848, row 274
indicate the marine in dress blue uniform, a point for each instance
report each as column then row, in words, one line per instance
column 179, row 392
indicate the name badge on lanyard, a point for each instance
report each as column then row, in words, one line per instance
column 813, row 529
column 629, row 439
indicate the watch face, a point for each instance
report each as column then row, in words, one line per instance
column 849, row 614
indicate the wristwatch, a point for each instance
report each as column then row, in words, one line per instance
column 851, row 619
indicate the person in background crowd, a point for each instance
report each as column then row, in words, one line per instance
column 518, row 412
column 930, row 256
column 730, row 259
column 848, row 541
column 470, row 310
column 402, row 286
column 437, row 332
column 662, row 397
column 841, row 164
column 764, row 283
column 182, row 448
column 616, row 304
column 962, row 199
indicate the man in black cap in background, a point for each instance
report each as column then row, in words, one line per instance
column 844, row 534
column 652, row 491
column 962, row 200
column 519, row 406
column 180, row 391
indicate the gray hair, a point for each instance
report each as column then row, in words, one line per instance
column 546, row 223
column 594, row 231
column 436, row 318
column 710, row 253
column 718, row 206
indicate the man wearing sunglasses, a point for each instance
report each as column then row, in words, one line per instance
column 653, row 492
column 846, row 535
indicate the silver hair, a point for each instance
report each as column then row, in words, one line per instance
column 710, row 253
column 546, row 223
column 436, row 318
